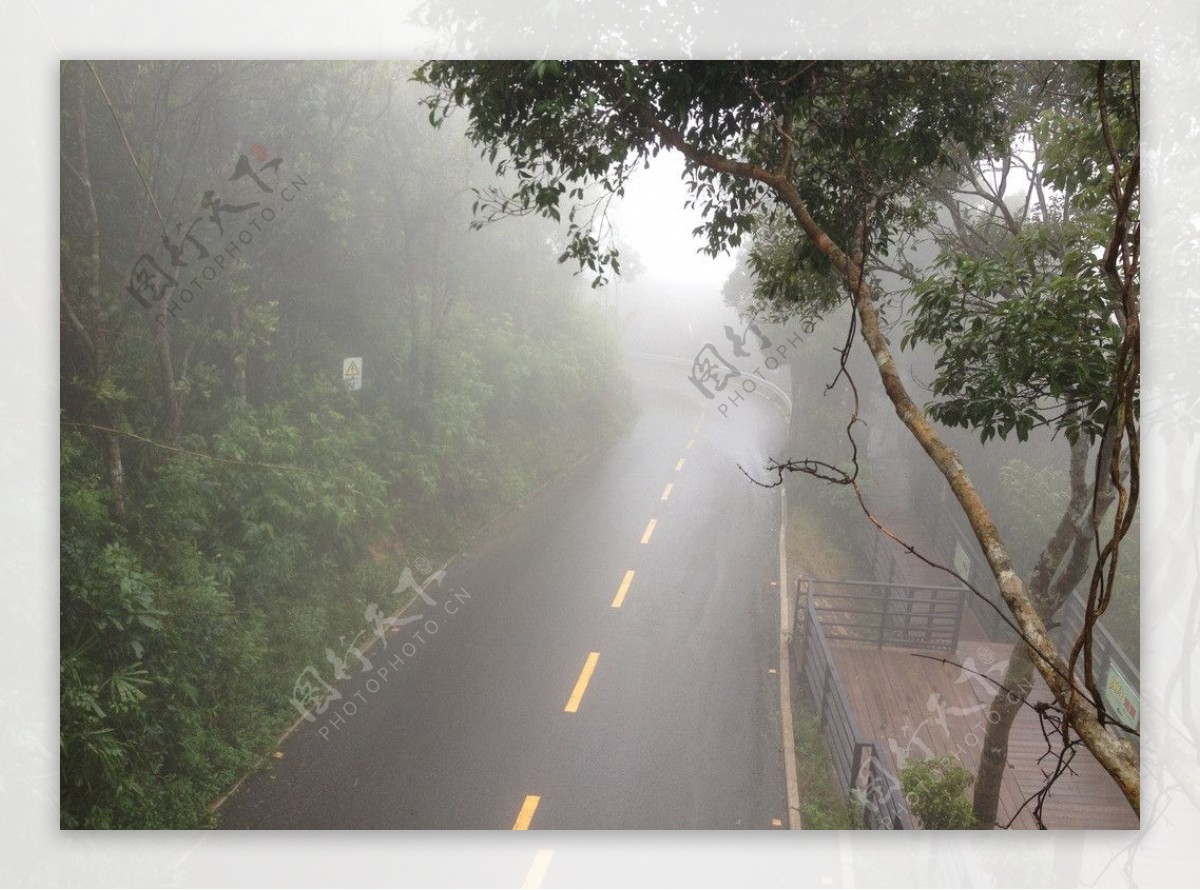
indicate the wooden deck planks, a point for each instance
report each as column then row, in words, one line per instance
column 890, row 689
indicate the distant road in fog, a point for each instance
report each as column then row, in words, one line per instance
column 603, row 658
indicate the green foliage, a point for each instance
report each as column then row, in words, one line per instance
column 1021, row 307
column 935, row 789
column 260, row 537
column 1021, row 343
column 775, row 279
column 822, row 806
column 1025, row 321
column 1030, row 503
column 858, row 129
column 1077, row 159
column 183, row 630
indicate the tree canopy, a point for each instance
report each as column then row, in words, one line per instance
column 849, row 137
column 228, row 509
column 845, row 152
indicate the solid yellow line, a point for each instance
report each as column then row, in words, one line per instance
column 537, row 871
column 581, row 684
column 667, row 490
column 649, row 531
column 527, row 810
column 691, row 442
column 622, row 590
column 679, row 466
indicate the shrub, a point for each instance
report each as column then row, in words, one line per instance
column 934, row 790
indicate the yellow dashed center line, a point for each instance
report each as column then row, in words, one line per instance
column 527, row 810
column 622, row 590
column 537, row 871
column 581, row 684
column 679, row 466
column 667, row 490
column 690, row 443
column 649, row 531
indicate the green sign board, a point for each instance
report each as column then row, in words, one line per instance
column 1120, row 698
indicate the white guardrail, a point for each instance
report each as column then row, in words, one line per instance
column 771, row 390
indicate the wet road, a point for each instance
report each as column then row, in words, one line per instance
column 602, row 658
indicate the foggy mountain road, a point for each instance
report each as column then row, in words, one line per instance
column 603, row 658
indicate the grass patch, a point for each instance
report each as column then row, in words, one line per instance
column 823, row 539
column 822, row 806
column 821, row 543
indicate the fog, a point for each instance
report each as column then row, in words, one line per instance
column 376, row 514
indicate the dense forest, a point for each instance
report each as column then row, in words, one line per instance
column 321, row 323
column 231, row 234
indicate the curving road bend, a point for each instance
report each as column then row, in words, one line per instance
column 605, row 658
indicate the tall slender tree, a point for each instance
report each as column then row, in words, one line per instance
column 841, row 147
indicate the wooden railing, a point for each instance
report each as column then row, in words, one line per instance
column 866, row 776
column 912, row 616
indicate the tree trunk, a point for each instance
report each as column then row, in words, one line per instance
column 166, row 367
column 94, row 327
column 1116, row 756
column 1018, row 683
column 1074, row 534
column 239, row 355
column 1113, row 754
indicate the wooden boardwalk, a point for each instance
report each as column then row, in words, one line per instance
column 918, row 706
column 914, row 705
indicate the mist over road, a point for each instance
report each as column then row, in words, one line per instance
column 601, row 658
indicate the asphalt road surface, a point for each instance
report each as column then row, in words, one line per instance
column 604, row 657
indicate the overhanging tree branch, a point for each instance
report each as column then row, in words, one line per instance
column 713, row 121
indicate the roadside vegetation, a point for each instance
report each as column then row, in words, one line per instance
column 229, row 511
column 822, row 805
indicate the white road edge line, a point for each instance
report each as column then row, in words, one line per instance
column 785, row 674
